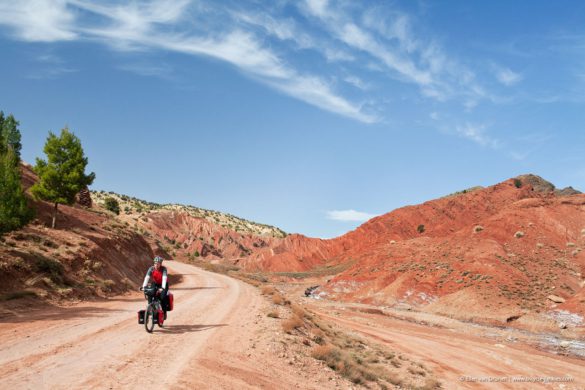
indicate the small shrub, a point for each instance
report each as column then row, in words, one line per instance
column 127, row 283
column 112, row 205
column 325, row 352
column 273, row 314
column 18, row 295
column 431, row 384
column 292, row 323
column 420, row 229
column 517, row 183
column 299, row 311
column 477, row 229
column 277, row 299
column 519, row 234
column 416, row 371
column 267, row 290
column 50, row 266
column 97, row 265
column 109, row 283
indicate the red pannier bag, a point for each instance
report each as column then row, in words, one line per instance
column 171, row 299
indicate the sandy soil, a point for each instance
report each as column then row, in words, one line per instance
column 459, row 358
column 218, row 337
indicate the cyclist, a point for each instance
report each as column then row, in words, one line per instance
column 159, row 276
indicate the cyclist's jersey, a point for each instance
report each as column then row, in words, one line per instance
column 158, row 276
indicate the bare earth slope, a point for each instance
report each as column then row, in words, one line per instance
column 218, row 336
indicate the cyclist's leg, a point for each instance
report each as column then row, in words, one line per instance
column 165, row 300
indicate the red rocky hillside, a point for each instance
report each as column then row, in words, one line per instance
column 89, row 253
column 497, row 252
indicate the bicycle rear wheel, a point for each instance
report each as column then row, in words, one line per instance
column 149, row 320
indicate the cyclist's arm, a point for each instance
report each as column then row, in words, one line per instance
column 147, row 277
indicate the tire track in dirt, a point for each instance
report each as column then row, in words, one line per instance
column 452, row 356
column 116, row 350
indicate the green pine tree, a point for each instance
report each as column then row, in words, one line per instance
column 14, row 211
column 10, row 135
column 62, row 175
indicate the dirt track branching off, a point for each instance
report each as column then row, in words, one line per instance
column 360, row 361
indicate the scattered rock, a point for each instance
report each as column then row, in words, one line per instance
column 556, row 299
column 310, row 290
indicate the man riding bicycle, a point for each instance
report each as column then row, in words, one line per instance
column 159, row 277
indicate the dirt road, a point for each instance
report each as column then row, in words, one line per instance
column 217, row 337
column 460, row 359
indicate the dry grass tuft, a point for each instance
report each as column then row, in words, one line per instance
column 299, row 311
column 277, row 299
column 343, row 363
column 431, row 384
column 268, row 290
column 292, row 323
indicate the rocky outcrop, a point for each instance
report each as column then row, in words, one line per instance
column 84, row 198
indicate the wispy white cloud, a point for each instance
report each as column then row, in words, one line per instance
column 51, row 67
column 349, row 215
column 507, row 76
column 388, row 36
column 477, row 134
column 283, row 29
column 52, row 72
column 347, row 44
column 159, row 24
column 38, row 20
column 333, row 54
column 241, row 49
column 356, row 82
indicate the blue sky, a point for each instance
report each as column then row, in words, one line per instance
column 309, row 115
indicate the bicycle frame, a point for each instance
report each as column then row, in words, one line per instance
column 153, row 313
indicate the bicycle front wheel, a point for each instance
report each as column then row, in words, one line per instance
column 149, row 314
